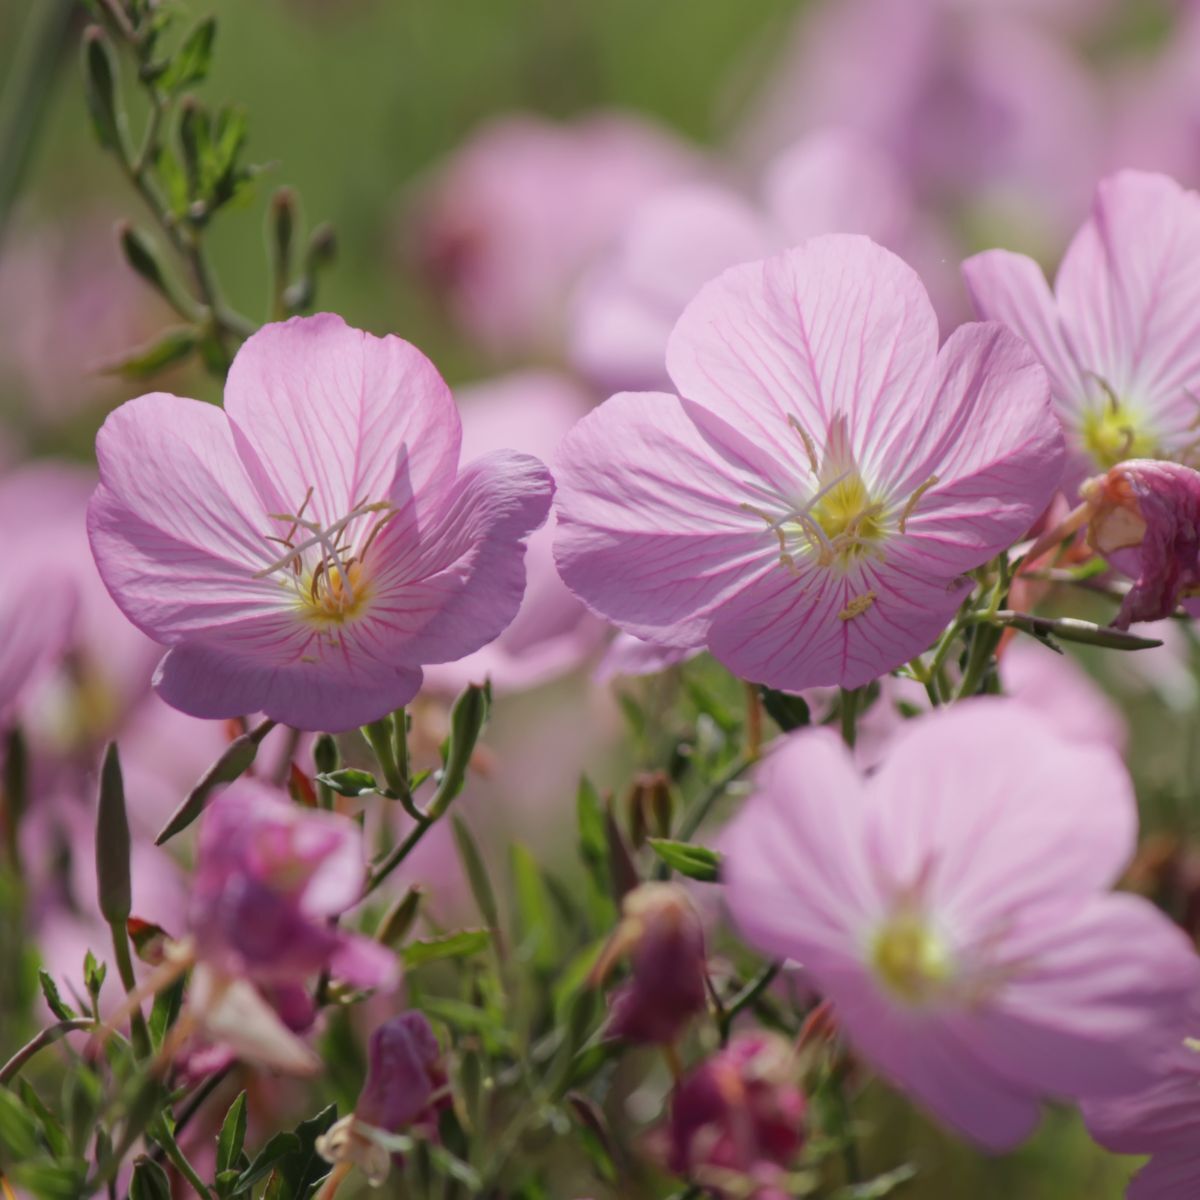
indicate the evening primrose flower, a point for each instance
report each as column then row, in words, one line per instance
column 1118, row 335
column 807, row 504
column 953, row 907
column 305, row 551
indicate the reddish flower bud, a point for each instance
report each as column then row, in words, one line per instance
column 1144, row 517
column 738, row 1119
column 662, row 935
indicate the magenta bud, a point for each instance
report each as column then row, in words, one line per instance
column 662, row 936
column 404, row 1074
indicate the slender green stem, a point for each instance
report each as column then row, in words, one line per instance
column 698, row 813
column 47, row 1037
column 398, row 854
column 747, row 996
column 139, row 1033
column 851, row 699
column 165, row 1138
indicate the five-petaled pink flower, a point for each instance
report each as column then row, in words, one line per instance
column 1120, row 334
column 306, row 551
column 807, row 504
column 954, row 908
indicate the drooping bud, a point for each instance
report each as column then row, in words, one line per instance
column 405, row 1082
column 662, row 936
column 1143, row 516
column 737, row 1121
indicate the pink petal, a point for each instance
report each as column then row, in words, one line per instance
column 454, row 584
column 996, row 784
column 204, row 681
column 177, row 529
column 1096, row 997
column 650, row 532
column 991, row 440
column 364, row 963
column 786, row 631
column 1174, row 1175
column 1011, row 288
column 37, row 615
column 797, row 880
column 1129, row 296
column 836, row 326
column 317, row 404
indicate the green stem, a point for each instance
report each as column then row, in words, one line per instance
column 747, row 996
column 165, row 1138
column 698, row 813
column 140, row 1034
column 25, row 99
column 984, row 641
column 47, row 1037
column 851, row 698
column 399, row 853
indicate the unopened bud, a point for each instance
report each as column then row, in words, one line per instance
column 662, row 936
column 112, row 843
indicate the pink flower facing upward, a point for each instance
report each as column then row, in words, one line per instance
column 953, row 907
column 806, row 506
column 684, row 236
column 737, row 1120
column 1162, row 1120
column 1120, row 334
column 269, row 876
column 305, row 551
column 405, row 1083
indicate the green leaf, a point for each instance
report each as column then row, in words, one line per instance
column 787, row 711
column 164, row 1012
column 534, row 913
column 174, row 180
column 281, row 1146
column 454, row 945
column 149, row 1181
column 18, row 1128
column 350, row 782
column 477, row 875
column 100, row 88
column 696, row 862
column 297, row 1171
column 233, row 1134
column 467, row 719
column 192, row 60
column 94, row 974
column 52, row 1130
column 881, row 1185
column 471, row 1019
column 54, row 1001
column 170, row 348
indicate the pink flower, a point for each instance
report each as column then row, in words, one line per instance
column 992, row 120
column 505, row 227
column 1144, row 517
column 1162, row 1120
column 807, row 505
column 304, row 552
column 269, row 876
column 739, row 1117
column 552, row 633
column 953, row 907
column 37, row 614
column 684, row 236
column 1119, row 336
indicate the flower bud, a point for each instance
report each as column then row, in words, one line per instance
column 737, row 1121
column 405, row 1080
column 662, row 936
column 649, row 806
column 1144, row 517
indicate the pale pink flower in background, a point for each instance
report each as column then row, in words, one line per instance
column 628, row 655
column 304, row 552
column 978, row 988
column 679, row 239
column 505, row 227
column 1162, row 1120
column 1120, row 333
column 68, row 306
column 105, row 666
column 989, row 117
column 37, row 613
column 553, row 633
column 806, row 507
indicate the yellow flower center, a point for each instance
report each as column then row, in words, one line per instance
column 333, row 595
column 849, row 518
column 912, row 959
column 1113, row 432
